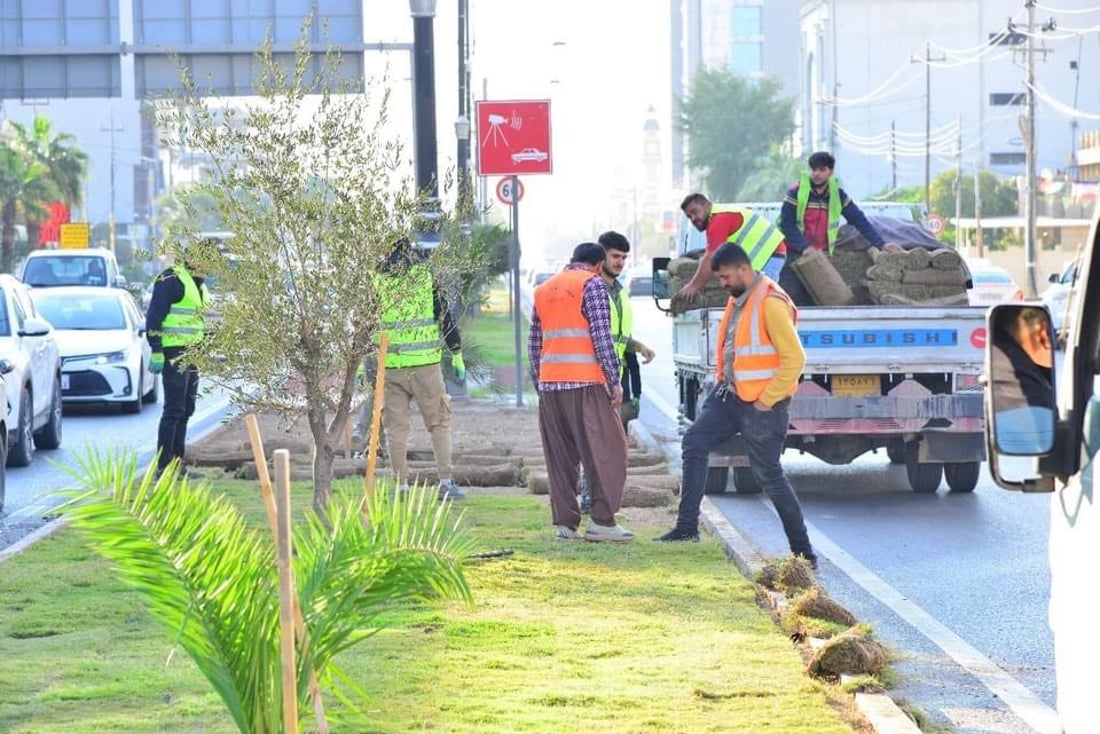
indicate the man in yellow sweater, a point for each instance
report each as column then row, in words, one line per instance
column 759, row 362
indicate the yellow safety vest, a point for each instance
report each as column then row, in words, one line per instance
column 185, row 323
column 757, row 236
column 408, row 318
column 622, row 323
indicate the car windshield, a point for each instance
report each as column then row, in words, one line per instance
column 5, row 322
column 990, row 277
column 82, row 313
column 65, row 270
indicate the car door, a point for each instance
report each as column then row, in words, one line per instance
column 42, row 351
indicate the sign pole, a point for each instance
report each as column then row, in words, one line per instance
column 518, row 320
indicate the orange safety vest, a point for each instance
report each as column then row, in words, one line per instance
column 568, row 354
column 755, row 359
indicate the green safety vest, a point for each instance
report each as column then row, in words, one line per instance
column 805, row 185
column 185, row 323
column 757, row 236
column 622, row 323
column 408, row 318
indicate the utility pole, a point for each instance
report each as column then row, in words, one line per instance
column 463, row 152
column 958, row 187
column 1029, row 124
column 893, row 156
column 978, row 212
column 111, row 216
column 927, row 61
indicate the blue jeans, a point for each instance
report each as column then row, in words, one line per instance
column 724, row 415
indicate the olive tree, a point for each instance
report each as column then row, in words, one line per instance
column 316, row 193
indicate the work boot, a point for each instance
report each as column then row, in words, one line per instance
column 448, row 490
column 676, row 535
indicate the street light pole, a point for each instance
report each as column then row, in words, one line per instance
column 462, row 124
column 427, row 183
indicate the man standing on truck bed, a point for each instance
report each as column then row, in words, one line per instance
column 758, row 236
column 759, row 360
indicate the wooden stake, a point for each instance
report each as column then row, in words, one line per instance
column 376, row 417
column 286, row 593
column 264, row 478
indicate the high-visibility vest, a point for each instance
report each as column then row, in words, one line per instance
column 408, row 317
column 185, row 323
column 805, row 185
column 622, row 323
column 755, row 358
column 758, row 236
column 568, row 354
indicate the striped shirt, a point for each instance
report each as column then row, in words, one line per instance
column 596, row 308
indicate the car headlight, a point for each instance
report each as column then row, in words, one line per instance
column 111, row 357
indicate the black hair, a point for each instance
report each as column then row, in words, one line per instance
column 729, row 255
column 588, row 253
column 613, row 240
column 821, row 159
column 695, row 198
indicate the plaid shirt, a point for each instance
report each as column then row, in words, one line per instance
column 596, row 308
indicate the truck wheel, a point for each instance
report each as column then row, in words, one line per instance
column 744, row 482
column 718, row 478
column 895, row 452
column 963, row 477
column 923, row 478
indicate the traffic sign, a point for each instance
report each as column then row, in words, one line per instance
column 75, row 235
column 513, row 137
column 936, row 224
column 504, row 191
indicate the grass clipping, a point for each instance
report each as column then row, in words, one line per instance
column 852, row 653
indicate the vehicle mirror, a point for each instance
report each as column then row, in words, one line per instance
column 660, row 283
column 120, row 281
column 6, row 366
column 33, row 326
column 1054, row 278
column 1020, row 369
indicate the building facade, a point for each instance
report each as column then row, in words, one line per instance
column 883, row 82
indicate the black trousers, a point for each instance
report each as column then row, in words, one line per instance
column 181, row 389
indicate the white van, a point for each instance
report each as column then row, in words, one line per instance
column 96, row 267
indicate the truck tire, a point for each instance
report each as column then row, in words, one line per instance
column 744, row 482
column 895, row 452
column 923, row 478
column 963, row 477
column 718, row 478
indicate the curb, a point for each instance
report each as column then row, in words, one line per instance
column 881, row 711
column 33, row 537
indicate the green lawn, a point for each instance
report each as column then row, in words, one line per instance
column 492, row 334
column 563, row 636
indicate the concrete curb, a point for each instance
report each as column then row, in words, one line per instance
column 33, row 537
column 879, row 709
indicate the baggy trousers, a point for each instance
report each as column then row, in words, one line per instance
column 181, row 390
column 723, row 416
column 580, row 428
column 423, row 384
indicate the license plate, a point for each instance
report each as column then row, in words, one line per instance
column 64, row 382
column 856, row 386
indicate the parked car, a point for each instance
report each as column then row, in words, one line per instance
column 104, row 353
column 992, row 284
column 50, row 268
column 3, row 444
column 638, row 283
column 1058, row 297
column 31, row 365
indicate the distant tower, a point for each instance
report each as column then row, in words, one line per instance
column 652, row 167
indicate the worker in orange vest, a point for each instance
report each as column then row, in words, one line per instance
column 576, row 370
column 759, row 362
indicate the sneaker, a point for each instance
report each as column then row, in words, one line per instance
column 564, row 532
column 676, row 535
column 607, row 533
column 448, row 490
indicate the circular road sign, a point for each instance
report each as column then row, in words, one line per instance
column 936, row 223
column 504, row 191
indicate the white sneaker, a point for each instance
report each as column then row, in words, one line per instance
column 607, row 533
column 564, row 532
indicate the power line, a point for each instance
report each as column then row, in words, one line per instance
column 1061, row 107
column 1068, row 11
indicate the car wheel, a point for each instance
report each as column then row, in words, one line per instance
column 718, row 478
column 49, row 435
column 153, row 396
column 744, row 482
column 3, row 474
column 895, row 452
column 963, row 477
column 22, row 448
column 923, row 478
column 134, row 406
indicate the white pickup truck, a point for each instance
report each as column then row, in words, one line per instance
column 903, row 379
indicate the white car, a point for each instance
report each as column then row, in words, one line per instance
column 89, row 266
column 992, row 285
column 104, row 353
column 529, row 154
column 31, row 365
column 3, row 445
column 1059, row 296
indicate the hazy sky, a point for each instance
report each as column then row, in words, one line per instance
column 602, row 63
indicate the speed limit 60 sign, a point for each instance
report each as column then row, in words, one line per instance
column 936, row 224
column 505, row 193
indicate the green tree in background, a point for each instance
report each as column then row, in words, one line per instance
column 66, row 169
column 775, row 173
column 999, row 198
column 731, row 123
column 22, row 185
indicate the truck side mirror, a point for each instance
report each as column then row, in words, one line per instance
column 660, row 283
column 1054, row 278
column 1021, row 402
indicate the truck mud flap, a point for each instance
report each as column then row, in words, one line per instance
column 951, row 448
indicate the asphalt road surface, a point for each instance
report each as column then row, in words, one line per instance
column 956, row 585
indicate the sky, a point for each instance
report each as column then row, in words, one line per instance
column 601, row 64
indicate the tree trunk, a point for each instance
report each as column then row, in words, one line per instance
column 323, row 457
column 34, row 231
column 7, row 238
